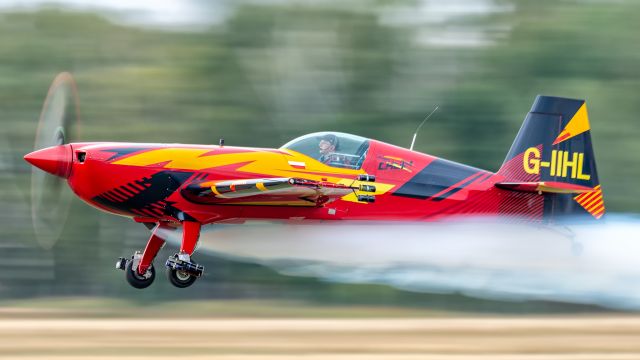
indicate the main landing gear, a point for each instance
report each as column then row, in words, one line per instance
column 181, row 270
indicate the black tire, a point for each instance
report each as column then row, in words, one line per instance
column 136, row 280
column 180, row 279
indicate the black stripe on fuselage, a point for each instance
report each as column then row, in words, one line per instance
column 436, row 177
column 457, row 188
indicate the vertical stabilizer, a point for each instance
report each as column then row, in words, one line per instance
column 554, row 147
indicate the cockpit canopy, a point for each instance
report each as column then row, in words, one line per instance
column 332, row 148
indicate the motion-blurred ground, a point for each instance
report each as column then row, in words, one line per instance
column 71, row 328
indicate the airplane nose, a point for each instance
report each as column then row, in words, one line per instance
column 55, row 160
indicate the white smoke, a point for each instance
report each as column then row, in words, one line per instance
column 588, row 264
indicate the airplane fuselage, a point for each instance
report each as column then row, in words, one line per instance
column 144, row 181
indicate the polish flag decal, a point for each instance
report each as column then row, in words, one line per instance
column 298, row 164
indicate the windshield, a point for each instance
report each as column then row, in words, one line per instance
column 332, row 148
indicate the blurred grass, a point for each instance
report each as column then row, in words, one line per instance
column 83, row 307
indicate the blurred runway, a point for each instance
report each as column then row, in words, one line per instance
column 579, row 338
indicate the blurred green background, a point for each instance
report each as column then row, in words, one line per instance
column 260, row 73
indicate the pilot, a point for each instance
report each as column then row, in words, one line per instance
column 327, row 147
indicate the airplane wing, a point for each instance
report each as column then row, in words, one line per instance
column 271, row 192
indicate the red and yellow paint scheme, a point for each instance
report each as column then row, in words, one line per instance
column 549, row 171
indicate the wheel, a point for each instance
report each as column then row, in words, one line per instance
column 136, row 280
column 179, row 278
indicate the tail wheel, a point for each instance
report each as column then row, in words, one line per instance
column 179, row 278
column 136, row 280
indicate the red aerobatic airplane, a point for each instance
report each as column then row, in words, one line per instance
column 548, row 173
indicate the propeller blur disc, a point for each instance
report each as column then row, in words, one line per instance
column 59, row 124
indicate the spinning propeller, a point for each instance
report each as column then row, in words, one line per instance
column 59, row 124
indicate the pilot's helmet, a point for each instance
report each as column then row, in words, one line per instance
column 331, row 139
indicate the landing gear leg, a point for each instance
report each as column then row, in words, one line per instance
column 139, row 270
column 181, row 271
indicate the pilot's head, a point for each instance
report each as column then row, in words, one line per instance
column 328, row 144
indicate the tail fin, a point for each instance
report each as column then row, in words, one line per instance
column 553, row 156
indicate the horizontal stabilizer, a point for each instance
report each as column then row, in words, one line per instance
column 554, row 187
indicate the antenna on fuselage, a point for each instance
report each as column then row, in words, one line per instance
column 413, row 141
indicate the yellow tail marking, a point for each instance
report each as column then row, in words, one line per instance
column 576, row 126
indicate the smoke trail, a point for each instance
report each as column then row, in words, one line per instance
column 588, row 264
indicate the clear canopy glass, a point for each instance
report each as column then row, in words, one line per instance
column 332, row 148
